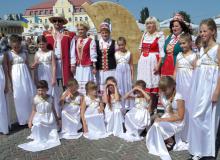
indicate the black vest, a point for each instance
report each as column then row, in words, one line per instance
column 111, row 62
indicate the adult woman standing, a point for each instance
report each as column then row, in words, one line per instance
column 172, row 47
column 152, row 51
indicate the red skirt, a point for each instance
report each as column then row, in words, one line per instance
column 168, row 66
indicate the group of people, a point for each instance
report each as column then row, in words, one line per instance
column 99, row 97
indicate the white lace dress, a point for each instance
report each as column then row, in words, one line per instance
column 23, row 86
column 136, row 120
column 44, row 130
column 205, row 115
column 114, row 118
column 4, row 119
column 161, row 131
column 123, row 76
column 94, row 120
column 71, row 119
column 184, row 74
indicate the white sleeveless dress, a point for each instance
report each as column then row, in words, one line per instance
column 44, row 130
column 23, row 87
column 184, row 74
column 4, row 119
column 44, row 72
column 94, row 120
column 123, row 76
column 161, row 131
column 114, row 118
column 204, row 117
column 136, row 120
column 71, row 119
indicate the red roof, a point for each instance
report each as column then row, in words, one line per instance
column 50, row 4
column 78, row 3
column 43, row 5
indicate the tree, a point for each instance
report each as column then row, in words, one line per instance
column 144, row 14
column 186, row 16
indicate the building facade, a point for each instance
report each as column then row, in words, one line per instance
column 11, row 27
column 38, row 15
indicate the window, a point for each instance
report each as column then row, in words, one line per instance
column 69, row 9
column 76, row 18
column 46, row 11
column 56, row 10
column 30, row 21
column 40, row 21
column 70, row 19
column 31, row 12
column 80, row 18
column 51, row 11
column 86, row 18
column 40, row 12
column 45, row 20
column 35, row 12
column 81, row 10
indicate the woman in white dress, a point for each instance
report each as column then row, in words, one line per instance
column 138, row 118
column 159, row 137
column 124, row 71
column 183, row 73
column 204, row 95
column 45, row 63
column 152, row 51
column 70, row 102
column 113, row 110
column 22, row 83
column 42, row 122
column 92, row 114
column 84, row 50
column 4, row 119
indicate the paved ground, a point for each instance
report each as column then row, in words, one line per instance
column 111, row 148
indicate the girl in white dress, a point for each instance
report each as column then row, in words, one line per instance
column 42, row 122
column 151, row 53
column 183, row 73
column 70, row 102
column 22, row 83
column 138, row 118
column 92, row 113
column 4, row 119
column 84, row 56
column 45, row 64
column 204, row 95
column 159, row 137
column 124, row 71
column 113, row 110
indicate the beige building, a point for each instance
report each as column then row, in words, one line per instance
column 38, row 15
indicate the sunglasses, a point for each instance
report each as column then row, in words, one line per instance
column 58, row 20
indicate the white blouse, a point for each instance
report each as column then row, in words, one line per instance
column 149, row 38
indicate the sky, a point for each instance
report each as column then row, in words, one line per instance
column 162, row 9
